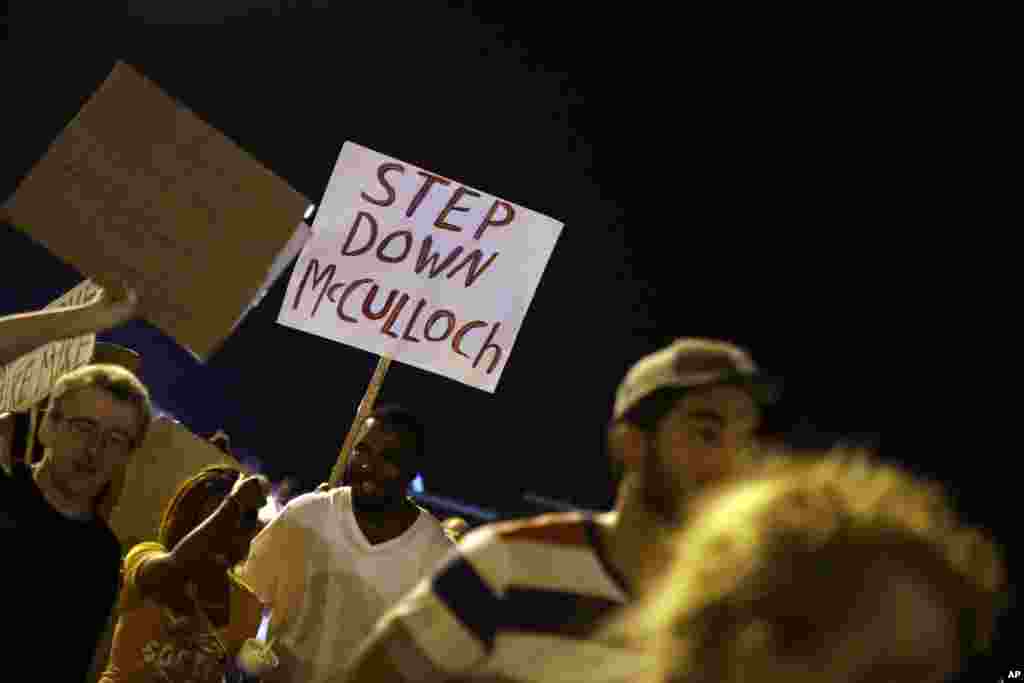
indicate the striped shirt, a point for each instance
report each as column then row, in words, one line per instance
column 518, row 600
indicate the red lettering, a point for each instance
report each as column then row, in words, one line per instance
column 434, row 317
column 344, row 297
column 314, row 268
column 489, row 345
column 368, row 302
column 450, row 206
column 457, row 339
column 384, row 168
column 428, row 182
column 394, row 316
column 412, row 321
column 475, row 270
column 427, row 258
column 334, row 288
column 510, row 213
column 387, row 240
column 352, row 233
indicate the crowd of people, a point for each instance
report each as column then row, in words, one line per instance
column 722, row 560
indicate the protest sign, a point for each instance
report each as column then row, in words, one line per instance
column 409, row 264
column 169, row 206
column 169, row 455
column 28, row 380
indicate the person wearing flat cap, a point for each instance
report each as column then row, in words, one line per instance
column 519, row 600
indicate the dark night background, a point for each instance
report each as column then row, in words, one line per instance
column 711, row 183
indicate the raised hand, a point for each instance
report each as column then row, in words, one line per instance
column 250, row 492
column 115, row 304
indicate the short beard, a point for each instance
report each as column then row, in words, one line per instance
column 377, row 503
column 659, row 496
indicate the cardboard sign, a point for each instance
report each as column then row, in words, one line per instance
column 137, row 187
column 169, row 455
column 28, row 380
column 406, row 263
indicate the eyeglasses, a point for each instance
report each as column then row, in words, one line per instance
column 87, row 430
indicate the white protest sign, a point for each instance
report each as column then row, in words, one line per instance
column 425, row 269
column 28, row 380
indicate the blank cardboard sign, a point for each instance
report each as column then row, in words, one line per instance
column 170, row 206
column 169, row 455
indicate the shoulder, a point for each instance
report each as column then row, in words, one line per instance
column 308, row 507
column 427, row 522
column 560, row 528
column 497, row 552
column 140, row 553
column 310, row 511
column 314, row 502
column 428, row 529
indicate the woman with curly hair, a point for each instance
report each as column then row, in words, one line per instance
column 184, row 614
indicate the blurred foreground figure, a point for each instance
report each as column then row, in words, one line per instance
column 840, row 569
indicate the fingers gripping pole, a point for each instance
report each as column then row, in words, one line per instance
column 365, row 408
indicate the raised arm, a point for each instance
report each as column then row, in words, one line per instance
column 163, row 576
column 22, row 333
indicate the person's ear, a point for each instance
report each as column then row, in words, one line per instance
column 627, row 444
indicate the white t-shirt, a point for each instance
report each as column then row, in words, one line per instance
column 327, row 585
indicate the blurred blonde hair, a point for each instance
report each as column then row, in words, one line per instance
column 748, row 565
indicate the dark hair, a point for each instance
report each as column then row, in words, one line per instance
column 646, row 413
column 407, row 426
column 182, row 514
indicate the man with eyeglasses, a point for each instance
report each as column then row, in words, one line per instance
column 57, row 548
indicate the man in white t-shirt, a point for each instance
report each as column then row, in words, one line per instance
column 333, row 562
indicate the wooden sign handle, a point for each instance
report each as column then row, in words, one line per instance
column 365, row 408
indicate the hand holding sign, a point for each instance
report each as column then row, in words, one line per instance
column 365, row 408
column 115, row 304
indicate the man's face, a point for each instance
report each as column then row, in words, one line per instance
column 374, row 470
column 91, row 434
column 698, row 443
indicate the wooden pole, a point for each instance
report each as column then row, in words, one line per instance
column 365, row 408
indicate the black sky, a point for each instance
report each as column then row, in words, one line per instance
column 720, row 178
column 703, row 193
